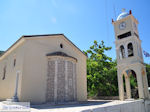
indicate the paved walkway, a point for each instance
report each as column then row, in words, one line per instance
column 77, row 107
column 91, row 106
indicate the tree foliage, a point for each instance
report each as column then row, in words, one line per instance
column 148, row 73
column 101, row 71
column 1, row 52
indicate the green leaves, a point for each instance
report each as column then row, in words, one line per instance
column 101, row 71
column 148, row 73
column 1, row 53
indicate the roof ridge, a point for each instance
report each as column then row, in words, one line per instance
column 25, row 36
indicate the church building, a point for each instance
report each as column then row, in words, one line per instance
column 43, row 68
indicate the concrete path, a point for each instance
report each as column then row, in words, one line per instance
column 89, row 106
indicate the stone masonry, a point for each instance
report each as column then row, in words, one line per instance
column 61, row 80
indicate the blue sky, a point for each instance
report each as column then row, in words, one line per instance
column 82, row 21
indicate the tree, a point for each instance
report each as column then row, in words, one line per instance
column 101, row 71
column 1, row 52
column 148, row 73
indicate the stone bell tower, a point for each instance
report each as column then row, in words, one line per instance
column 129, row 55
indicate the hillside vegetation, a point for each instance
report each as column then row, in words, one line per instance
column 1, row 52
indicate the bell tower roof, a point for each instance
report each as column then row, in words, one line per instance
column 122, row 15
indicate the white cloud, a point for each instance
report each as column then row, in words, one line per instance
column 53, row 20
column 71, row 8
column 64, row 6
column 54, row 3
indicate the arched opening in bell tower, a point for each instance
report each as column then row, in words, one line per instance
column 130, row 85
column 130, row 50
column 134, row 85
column 122, row 52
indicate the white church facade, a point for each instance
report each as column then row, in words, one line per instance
column 43, row 68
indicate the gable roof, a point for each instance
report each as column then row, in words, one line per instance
column 34, row 36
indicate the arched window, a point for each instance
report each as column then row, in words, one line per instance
column 122, row 52
column 61, row 45
column 14, row 62
column 130, row 50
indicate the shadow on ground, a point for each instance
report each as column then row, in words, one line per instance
column 67, row 105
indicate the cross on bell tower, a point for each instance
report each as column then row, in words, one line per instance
column 129, row 55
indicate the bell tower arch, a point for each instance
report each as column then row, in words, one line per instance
column 129, row 55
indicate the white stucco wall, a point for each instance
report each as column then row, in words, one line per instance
column 7, row 86
column 35, row 67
